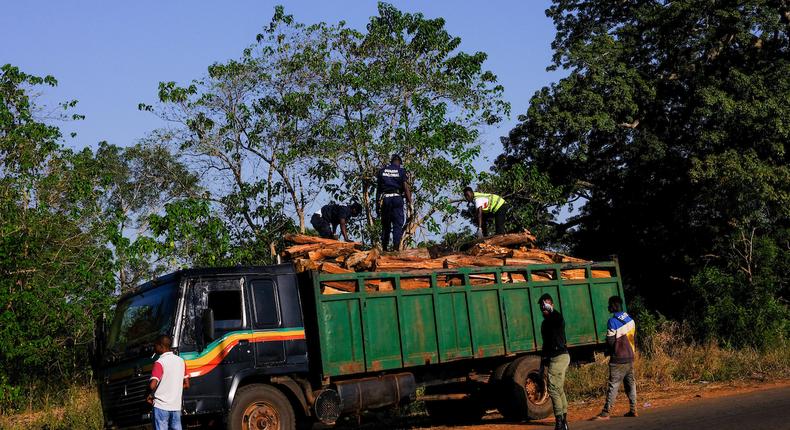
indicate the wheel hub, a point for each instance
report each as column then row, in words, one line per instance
column 536, row 389
column 261, row 416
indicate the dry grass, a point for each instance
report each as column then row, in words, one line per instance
column 79, row 411
column 669, row 359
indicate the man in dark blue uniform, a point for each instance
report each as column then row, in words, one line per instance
column 326, row 220
column 392, row 187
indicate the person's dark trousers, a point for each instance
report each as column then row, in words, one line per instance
column 322, row 226
column 392, row 219
column 620, row 373
column 499, row 220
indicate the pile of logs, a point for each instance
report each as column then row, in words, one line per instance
column 514, row 249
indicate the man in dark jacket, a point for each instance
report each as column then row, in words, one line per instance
column 392, row 186
column 620, row 339
column 555, row 359
column 330, row 216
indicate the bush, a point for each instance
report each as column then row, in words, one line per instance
column 669, row 357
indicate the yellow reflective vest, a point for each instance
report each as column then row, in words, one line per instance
column 494, row 202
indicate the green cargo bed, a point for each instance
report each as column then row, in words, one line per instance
column 383, row 330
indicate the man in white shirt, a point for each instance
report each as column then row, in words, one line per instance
column 168, row 381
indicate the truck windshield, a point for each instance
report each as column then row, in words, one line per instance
column 140, row 318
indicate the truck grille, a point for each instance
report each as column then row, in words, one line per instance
column 125, row 401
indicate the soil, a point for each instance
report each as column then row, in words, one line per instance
column 580, row 410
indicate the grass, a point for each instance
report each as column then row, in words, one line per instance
column 78, row 409
column 669, row 359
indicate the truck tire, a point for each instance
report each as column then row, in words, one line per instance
column 260, row 406
column 524, row 393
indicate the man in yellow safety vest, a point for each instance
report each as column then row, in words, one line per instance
column 487, row 206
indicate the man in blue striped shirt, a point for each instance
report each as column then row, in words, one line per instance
column 620, row 338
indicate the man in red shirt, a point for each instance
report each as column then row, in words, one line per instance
column 168, row 381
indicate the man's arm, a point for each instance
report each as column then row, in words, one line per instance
column 407, row 192
column 343, row 230
column 378, row 193
column 186, row 383
column 611, row 333
column 153, row 383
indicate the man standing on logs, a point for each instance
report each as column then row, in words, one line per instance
column 391, row 188
column 487, row 206
column 326, row 220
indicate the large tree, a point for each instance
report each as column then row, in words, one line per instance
column 311, row 112
column 404, row 86
column 56, row 274
column 671, row 127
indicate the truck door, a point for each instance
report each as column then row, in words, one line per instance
column 266, row 320
column 225, row 297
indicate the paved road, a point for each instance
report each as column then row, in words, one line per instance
column 766, row 409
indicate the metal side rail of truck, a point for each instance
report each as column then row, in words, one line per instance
column 265, row 349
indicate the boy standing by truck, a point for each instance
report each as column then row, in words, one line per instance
column 555, row 359
column 167, row 384
column 620, row 339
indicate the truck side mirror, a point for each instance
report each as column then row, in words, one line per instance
column 208, row 325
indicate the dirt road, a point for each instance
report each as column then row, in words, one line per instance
column 714, row 407
column 767, row 409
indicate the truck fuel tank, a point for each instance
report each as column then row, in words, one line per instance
column 358, row 395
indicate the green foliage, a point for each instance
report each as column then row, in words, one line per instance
column 404, row 87
column 670, row 131
column 55, row 272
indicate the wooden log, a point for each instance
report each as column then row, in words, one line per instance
column 561, row 258
column 326, row 253
column 532, row 254
column 543, row 275
column 414, row 253
column 385, row 263
column 489, row 250
column 509, row 240
column 329, row 290
column 524, row 262
column 573, row 274
column 304, row 239
column 372, row 285
column 414, row 283
column 347, row 286
column 302, row 249
column 461, row 260
column 361, row 260
column 599, row 273
column 334, row 269
column 482, row 279
column 517, row 277
column 305, row 264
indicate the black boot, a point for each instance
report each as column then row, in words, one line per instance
column 565, row 421
column 559, row 423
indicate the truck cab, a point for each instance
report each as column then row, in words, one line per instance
column 229, row 325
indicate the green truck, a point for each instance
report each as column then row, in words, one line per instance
column 267, row 348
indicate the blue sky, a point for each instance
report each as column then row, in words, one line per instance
column 112, row 55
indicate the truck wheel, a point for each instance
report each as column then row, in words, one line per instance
column 525, row 395
column 261, row 407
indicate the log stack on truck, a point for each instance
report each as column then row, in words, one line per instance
column 347, row 330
